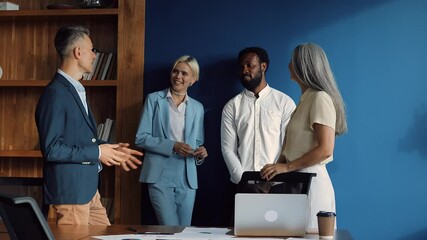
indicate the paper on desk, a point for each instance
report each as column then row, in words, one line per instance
column 127, row 237
column 204, row 233
column 210, row 234
column 191, row 233
column 187, row 233
column 299, row 238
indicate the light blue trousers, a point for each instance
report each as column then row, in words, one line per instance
column 171, row 196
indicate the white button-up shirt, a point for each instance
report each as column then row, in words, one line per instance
column 78, row 86
column 177, row 118
column 253, row 130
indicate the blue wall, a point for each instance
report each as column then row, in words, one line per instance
column 377, row 50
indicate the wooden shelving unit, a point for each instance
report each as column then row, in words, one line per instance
column 29, row 60
column 43, row 83
column 21, row 154
column 60, row 12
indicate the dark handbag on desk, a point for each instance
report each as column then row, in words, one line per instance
column 292, row 182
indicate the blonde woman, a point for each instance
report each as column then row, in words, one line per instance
column 171, row 133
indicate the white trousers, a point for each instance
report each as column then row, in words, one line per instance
column 321, row 196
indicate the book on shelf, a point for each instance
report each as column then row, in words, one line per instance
column 113, row 74
column 106, row 66
column 98, row 66
column 103, row 67
column 113, row 65
column 6, row 5
column 99, row 130
column 110, row 68
column 106, row 130
column 95, row 63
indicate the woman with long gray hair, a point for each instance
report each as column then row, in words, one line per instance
column 310, row 135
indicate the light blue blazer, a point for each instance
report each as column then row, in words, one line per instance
column 153, row 136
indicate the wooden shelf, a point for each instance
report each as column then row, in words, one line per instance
column 59, row 12
column 42, row 83
column 21, row 153
column 29, row 60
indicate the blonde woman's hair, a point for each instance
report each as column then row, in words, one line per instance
column 311, row 66
column 192, row 62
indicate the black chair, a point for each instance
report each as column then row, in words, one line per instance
column 23, row 218
column 26, row 182
column 292, row 182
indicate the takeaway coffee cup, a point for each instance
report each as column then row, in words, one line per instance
column 326, row 224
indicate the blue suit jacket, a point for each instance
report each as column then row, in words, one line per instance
column 153, row 135
column 69, row 144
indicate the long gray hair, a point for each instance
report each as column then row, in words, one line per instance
column 311, row 66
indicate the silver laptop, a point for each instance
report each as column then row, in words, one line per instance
column 269, row 215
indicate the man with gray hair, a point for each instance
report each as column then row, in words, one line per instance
column 72, row 153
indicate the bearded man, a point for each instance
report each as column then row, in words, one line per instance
column 253, row 122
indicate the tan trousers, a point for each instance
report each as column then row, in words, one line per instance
column 92, row 213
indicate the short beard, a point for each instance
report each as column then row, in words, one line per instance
column 253, row 83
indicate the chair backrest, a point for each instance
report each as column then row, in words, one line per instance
column 35, row 183
column 292, row 182
column 23, row 218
